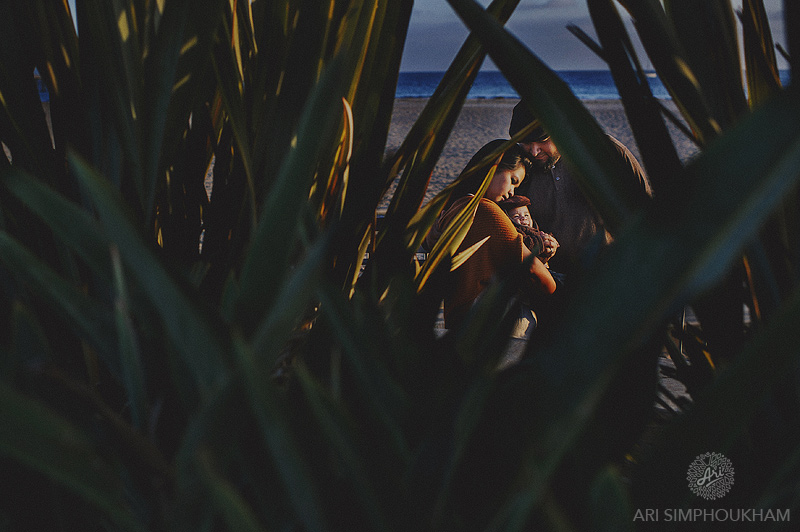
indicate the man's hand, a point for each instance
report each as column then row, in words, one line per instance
column 550, row 247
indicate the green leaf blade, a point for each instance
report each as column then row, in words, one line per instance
column 190, row 333
column 45, row 442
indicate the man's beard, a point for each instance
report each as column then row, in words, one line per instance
column 547, row 163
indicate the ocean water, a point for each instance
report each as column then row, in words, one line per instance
column 585, row 84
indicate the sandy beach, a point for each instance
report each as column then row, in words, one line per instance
column 483, row 120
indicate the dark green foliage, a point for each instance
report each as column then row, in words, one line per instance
column 174, row 359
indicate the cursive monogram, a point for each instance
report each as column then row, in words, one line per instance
column 710, row 475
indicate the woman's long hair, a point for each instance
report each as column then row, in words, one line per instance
column 513, row 157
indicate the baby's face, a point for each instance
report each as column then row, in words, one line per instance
column 521, row 216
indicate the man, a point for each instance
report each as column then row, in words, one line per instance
column 556, row 201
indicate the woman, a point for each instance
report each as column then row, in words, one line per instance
column 503, row 249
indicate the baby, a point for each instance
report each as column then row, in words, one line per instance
column 517, row 209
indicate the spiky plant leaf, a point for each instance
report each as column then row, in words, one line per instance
column 272, row 243
column 160, row 68
column 387, row 398
column 708, row 35
column 293, row 305
column 301, row 488
column 342, row 437
column 63, row 453
column 373, row 103
column 115, row 38
column 191, row 334
column 610, row 504
column 71, row 224
column 231, row 86
column 665, row 51
column 329, row 189
column 29, row 343
column 89, row 318
column 235, row 510
column 294, row 77
column 130, row 353
column 659, row 155
column 193, row 78
column 761, row 68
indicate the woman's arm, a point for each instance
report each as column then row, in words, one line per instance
column 506, row 245
column 539, row 272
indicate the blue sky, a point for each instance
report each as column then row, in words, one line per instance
column 436, row 33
